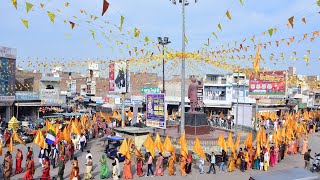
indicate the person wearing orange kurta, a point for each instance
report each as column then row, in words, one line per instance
column 28, row 175
column 19, row 158
column 171, row 163
column 304, row 146
column 46, row 169
column 183, row 163
column 127, row 173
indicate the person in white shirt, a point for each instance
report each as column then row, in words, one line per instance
column 201, row 164
column 275, row 125
column 88, row 154
column 83, row 141
column 213, row 163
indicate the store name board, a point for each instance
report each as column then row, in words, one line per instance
column 149, row 90
column 7, row 98
column 6, row 52
column 27, row 96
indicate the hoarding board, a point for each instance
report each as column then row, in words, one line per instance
column 156, row 110
column 149, row 90
column 118, row 77
column 268, row 84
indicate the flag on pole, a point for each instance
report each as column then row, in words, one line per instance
column 51, row 137
column 197, row 148
column 158, row 144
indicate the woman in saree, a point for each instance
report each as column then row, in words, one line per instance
column 127, row 173
column 89, row 165
column 19, row 158
column 159, row 165
column 189, row 164
column 104, row 169
column 75, row 169
column 272, row 157
column 7, row 166
column 30, row 169
column 183, row 163
column 171, row 162
column 304, row 146
column 140, row 172
column 46, row 169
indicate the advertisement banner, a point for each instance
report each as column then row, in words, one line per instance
column 49, row 97
column 118, row 77
column 149, row 90
column 156, row 111
column 27, row 96
column 269, row 84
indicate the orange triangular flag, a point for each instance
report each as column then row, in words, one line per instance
column 105, row 7
column 158, row 144
column 291, row 21
column 149, row 145
column 183, row 145
column 222, row 143
column 197, row 148
column 124, row 149
column 168, row 145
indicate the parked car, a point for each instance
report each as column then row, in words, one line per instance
column 113, row 144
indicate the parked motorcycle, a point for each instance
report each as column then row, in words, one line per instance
column 316, row 163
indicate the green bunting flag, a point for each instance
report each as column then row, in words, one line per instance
column 219, row 26
column 215, row 35
column 241, row 2
column 25, row 22
column 52, row 16
column 28, row 6
column 270, row 31
column 146, row 39
column 92, row 33
column 121, row 22
column 228, row 15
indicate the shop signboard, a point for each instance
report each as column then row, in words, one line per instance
column 27, row 96
column 118, row 77
column 6, row 100
column 268, row 84
column 156, row 111
column 49, row 97
column 149, row 90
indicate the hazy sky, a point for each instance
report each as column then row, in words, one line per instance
column 160, row 18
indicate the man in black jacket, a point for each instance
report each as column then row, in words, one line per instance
column 307, row 158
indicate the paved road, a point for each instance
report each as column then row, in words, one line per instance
column 96, row 146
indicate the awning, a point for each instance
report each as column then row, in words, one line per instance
column 28, row 104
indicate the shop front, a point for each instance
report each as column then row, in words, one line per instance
column 27, row 105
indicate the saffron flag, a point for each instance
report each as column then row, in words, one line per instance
column 197, row 148
column 65, row 135
column 39, row 139
column 16, row 138
column 105, row 7
column 219, row 26
column 124, row 149
column 236, row 146
column 0, row 147
column 228, row 15
column 75, row 128
column 158, row 144
column 48, row 125
column 149, row 145
column 256, row 62
column 183, row 145
column 168, row 145
column 51, row 137
column 222, row 143
column 248, row 141
column 230, row 143
column 10, row 147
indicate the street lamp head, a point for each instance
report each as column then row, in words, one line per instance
column 160, row 40
column 166, row 40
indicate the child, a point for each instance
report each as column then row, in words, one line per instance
column 261, row 161
column 114, row 171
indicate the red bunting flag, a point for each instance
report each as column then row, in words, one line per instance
column 291, row 21
column 72, row 24
column 105, row 7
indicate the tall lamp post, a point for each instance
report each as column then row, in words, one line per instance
column 163, row 42
column 183, row 64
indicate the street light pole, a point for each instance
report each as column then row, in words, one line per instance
column 163, row 42
column 183, row 71
column 237, row 112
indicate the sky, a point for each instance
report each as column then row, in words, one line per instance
column 47, row 42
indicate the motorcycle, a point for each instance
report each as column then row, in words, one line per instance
column 315, row 167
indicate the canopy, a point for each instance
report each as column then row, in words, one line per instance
column 13, row 123
column 115, row 138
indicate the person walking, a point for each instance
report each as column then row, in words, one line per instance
column 89, row 165
column 140, row 172
column 104, row 169
column 150, row 165
column 53, row 155
column 223, row 166
column 74, row 175
column 116, row 160
column 41, row 156
column 212, row 163
column 201, row 165
column 19, row 158
column 159, row 165
column 30, row 169
column 7, row 166
column 127, row 172
column 83, row 141
column 61, row 166
column 171, row 162
column 88, row 154
column 307, row 158
column 46, row 169
column 114, row 171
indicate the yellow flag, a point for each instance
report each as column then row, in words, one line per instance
column 228, row 15
column 25, row 23
column 39, row 139
column 158, row 144
column 236, row 146
column 14, row 3
column 248, row 141
column 130, row 115
column 65, row 135
column 28, row 6
column 52, row 16
column 75, row 128
column 10, row 147
column 168, row 145
column 16, row 138
column 149, row 145
column 222, row 143
column 0, row 147
column 197, row 148
column 124, row 149
column 48, row 125
column 183, row 145
column 230, row 143
column 256, row 62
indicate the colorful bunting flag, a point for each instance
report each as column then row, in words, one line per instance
column 228, row 15
column 28, row 6
column 215, row 35
column 92, row 33
column 66, row 4
column 105, row 7
column 25, row 22
column 121, row 22
column 14, row 3
column 52, row 16
column 72, row 24
column 270, row 31
column 241, row 2
column 291, row 21
column 219, row 26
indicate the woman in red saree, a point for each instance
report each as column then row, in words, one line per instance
column 272, row 157
column 159, row 165
column 28, row 175
column 19, row 158
column 46, row 170
column 127, row 173
column 140, row 172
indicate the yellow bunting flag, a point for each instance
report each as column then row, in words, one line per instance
column 241, row 2
column 291, row 21
column 14, row 3
column 168, row 145
column 121, row 22
column 105, row 7
column 158, row 144
column 42, row 5
column 222, row 143
column 146, row 39
column 186, row 39
column 28, row 6
column 228, row 15
column 52, row 16
column 92, row 33
column 183, row 145
column 270, row 31
column 197, row 148
column 25, row 23
column 124, row 149
column 136, row 32
column 66, row 4
column 149, row 145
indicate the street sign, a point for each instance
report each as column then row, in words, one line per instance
column 149, row 90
